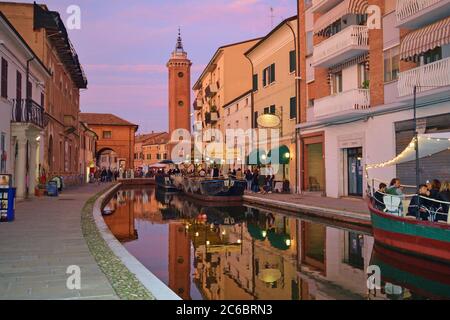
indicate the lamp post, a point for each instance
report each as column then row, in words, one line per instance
column 416, row 139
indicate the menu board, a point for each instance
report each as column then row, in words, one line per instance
column 5, row 182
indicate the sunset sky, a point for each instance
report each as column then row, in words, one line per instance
column 124, row 46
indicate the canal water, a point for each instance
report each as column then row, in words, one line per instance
column 235, row 252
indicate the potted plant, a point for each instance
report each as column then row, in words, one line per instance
column 365, row 84
column 40, row 190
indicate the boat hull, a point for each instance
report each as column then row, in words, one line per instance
column 422, row 238
column 212, row 190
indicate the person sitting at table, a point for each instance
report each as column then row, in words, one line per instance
column 419, row 207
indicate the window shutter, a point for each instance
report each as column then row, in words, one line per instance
column 255, row 82
column 293, row 108
column 4, row 89
column 255, row 120
column 265, row 77
column 292, row 62
column 272, row 109
column 19, row 86
column 272, row 73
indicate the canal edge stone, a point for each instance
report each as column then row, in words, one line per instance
column 155, row 288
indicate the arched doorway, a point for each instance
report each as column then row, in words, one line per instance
column 107, row 158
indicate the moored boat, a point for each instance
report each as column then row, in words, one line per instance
column 422, row 238
column 165, row 183
column 221, row 190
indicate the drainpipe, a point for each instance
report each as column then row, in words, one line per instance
column 297, row 97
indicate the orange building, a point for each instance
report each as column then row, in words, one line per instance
column 44, row 32
column 140, row 141
column 179, row 260
column 156, row 149
column 115, row 145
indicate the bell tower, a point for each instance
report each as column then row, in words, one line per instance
column 179, row 89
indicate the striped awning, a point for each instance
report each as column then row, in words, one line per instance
column 342, row 9
column 339, row 67
column 425, row 39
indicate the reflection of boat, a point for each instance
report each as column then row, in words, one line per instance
column 165, row 184
column 213, row 189
column 422, row 238
column 423, row 278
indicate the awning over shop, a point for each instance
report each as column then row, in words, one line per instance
column 429, row 144
column 425, row 39
column 342, row 9
column 257, row 157
column 256, row 232
column 280, row 155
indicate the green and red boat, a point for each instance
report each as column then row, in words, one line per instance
column 422, row 238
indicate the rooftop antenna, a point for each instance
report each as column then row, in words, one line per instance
column 272, row 17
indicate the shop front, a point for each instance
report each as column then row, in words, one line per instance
column 312, row 162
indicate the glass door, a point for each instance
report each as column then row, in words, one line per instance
column 355, row 172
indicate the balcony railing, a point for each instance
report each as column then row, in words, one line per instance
column 211, row 90
column 417, row 13
column 350, row 42
column 198, row 104
column 323, row 5
column 342, row 103
column 28, row 111
column 428, row 77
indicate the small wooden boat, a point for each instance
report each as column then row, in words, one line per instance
column 421, row 238
column 423, row 278
column 220, row 190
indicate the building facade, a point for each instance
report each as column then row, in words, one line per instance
column 22, row 120
column 44, row 31
column 226, row 77
column 115, row 145
column 88, row 141
column 358, row 72
column 156, row 149
column 275, row 97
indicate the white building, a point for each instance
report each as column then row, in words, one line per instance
column 22, row 114
column 360, row 86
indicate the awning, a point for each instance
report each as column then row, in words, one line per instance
column 256, row 232
column 257, row 157
column 279, row 241
column 425, row 39
column 342, row 9
column 282, row 155
column 429, row 144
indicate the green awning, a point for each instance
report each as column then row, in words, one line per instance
column 282, row 153
column 257, row 157
column 279, row 241
column 256, row 232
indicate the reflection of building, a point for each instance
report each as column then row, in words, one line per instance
column 179, row 260
column 115, row 145
column 121, row 222
column 21, row 117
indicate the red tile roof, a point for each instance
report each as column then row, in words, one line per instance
column 146, row 136
column 162, row 138
column 104, row 119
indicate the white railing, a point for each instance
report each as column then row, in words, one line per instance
column 320, row 3
column 347, row 38
column 408, row 8
column 355, row 99
column 428, row 77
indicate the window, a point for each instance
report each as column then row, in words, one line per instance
column 292, row 61
column 29, row 90
column 269, row 75
column 363, row 76
column 309, row 43
column 270, row 110
column 149, row 156
column 255, row 82
column 18, row 86
column 391, row 64
column 107, row 134
column 336, row 81
column 310, row 103
column 2, row 152
column 165, row 156
column 293, row 108
column 255, row 119
column 431, row 56
column 4, row 89
column 158, row 156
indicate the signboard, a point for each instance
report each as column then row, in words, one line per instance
column 269, row 121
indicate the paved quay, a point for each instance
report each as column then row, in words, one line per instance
column 44, row 240
column 344, row 209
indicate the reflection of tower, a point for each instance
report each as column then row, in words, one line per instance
column 179, row 260
column 179, row 90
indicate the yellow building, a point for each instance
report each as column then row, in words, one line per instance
column 227, row 76
column 274, row 98
column 155, row 149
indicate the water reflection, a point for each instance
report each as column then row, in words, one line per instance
column 205, row 251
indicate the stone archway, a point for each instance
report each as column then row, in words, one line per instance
column 108, row 158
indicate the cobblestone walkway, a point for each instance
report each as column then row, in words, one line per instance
column 45, row 239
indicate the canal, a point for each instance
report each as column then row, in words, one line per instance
column 236, row 252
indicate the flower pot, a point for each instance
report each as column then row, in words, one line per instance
column 39, row 192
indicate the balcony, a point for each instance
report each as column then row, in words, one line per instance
column 430, row 78
column 413, row 14
column 211, row 90
column 350, row 42
column 344, row 103
column 211, row 117
column 198, row 104
column 29, row 112
column 322, row 6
